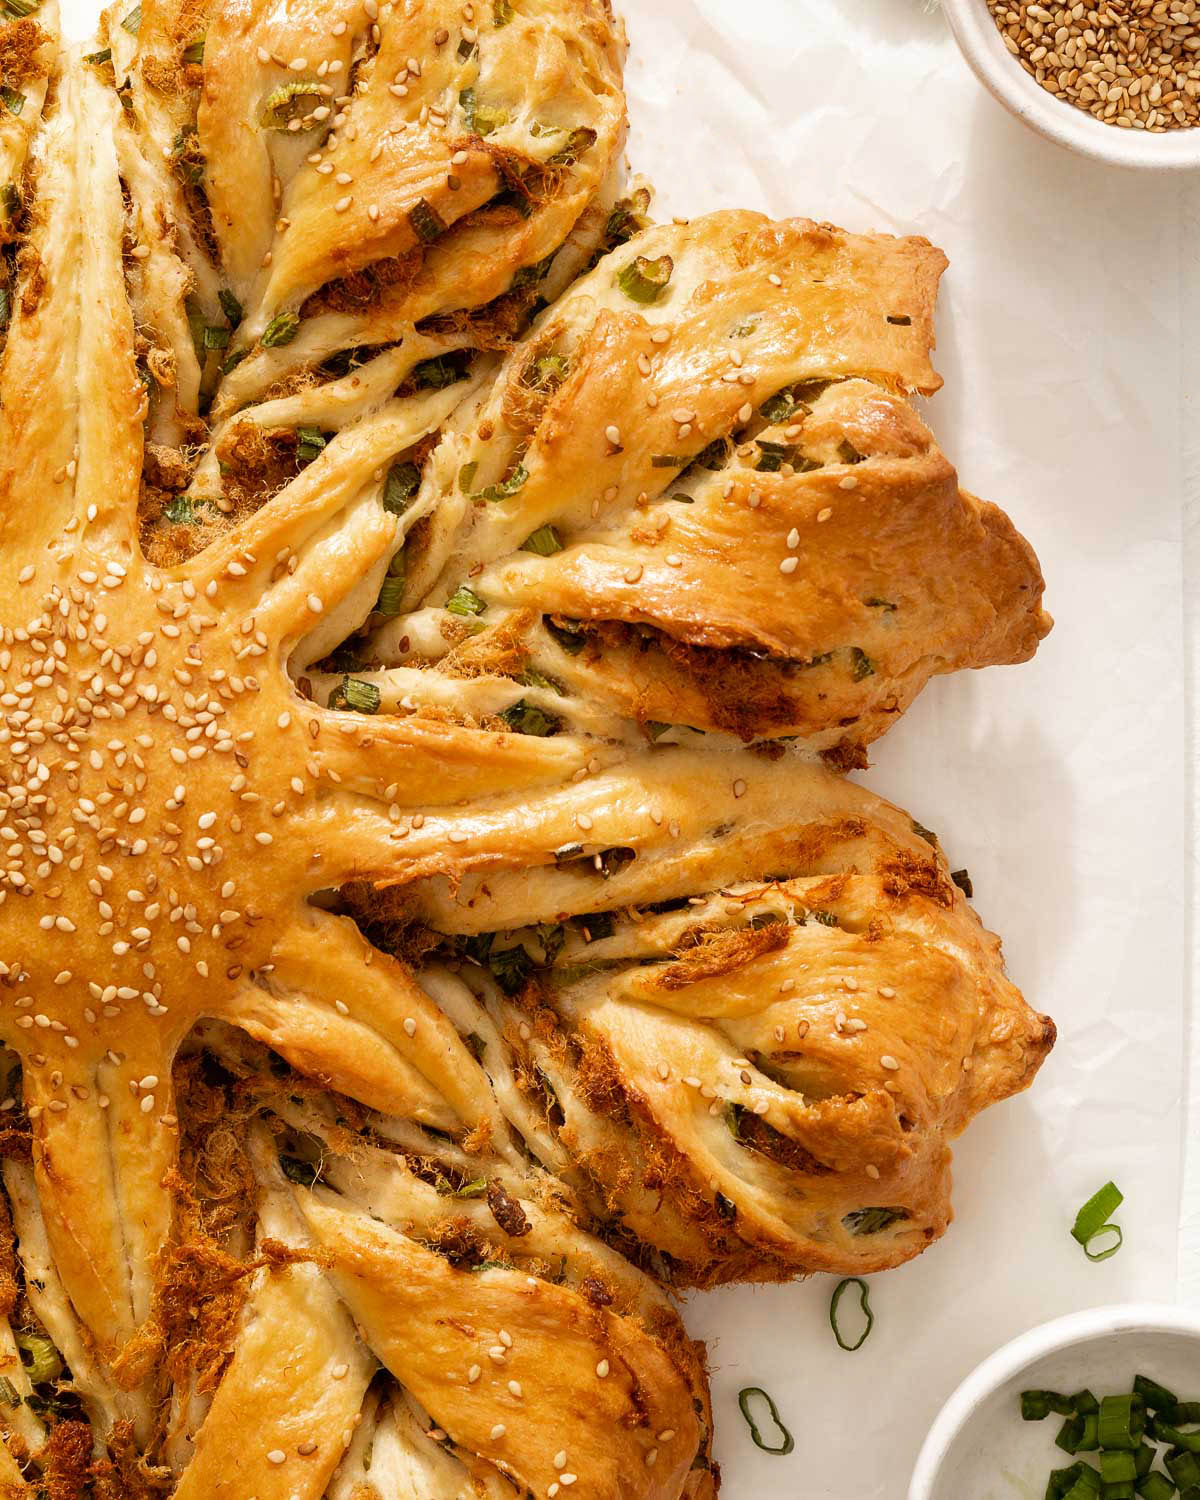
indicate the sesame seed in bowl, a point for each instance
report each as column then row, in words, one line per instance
column 1118, row 80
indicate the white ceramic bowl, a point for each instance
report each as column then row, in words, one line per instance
column 983, row 47
column 980, row 1449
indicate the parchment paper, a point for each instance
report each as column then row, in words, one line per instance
column 1058, row 784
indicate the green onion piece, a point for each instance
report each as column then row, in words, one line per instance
column 1086, row 1486
column 1155, row 1397
column 356, row 696
column 861, row 664
column 436, row 374
column 1083, row 1402
column 849, row 454
column 130, row 23
column 1143, row 1459
column 287, row 102
column 1066, row 1481
column 1089, row 1438
column 880, row 604
column 282, row 329
column 744, row 1398
column 1070, row 1435
column 773, row 456
column 487, row 118
column 475, row 1189
column 21, row 7
column 545, row 541
column 644, row 280
column 510, row 968
column 296, row 1169
column 1156, row 1487
column 465, row 601
column 5, row 309
column 426, row 223
column 1122, row 1422
column 230, row 305
column 1186, row 1442
column 656, row 729
column 502, row 12
column 180, row 511
column 8, row 1392
column 1035, row 1405
column 627, row 218
column 1091, row 1222
column 531, row 677
column 863, row 1302
column 873, row 1220
column 1187, row 1411
column 527, row 718
column 568, row 634
column 467, row 49
column 39, row 1356
column 777, row 408
column 194, row 51
column 311, row 442
column 962, row 879
column 391, row 592
column 216, row 338
column 669, row 460
column 466, row 477
column 1183, row 1468
column 403, row 482
column 579, row 141
column 1118, row 1467
column 13, row 101
column 507, row 487
column 10, row 199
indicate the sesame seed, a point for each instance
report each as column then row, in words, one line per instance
column 789, row 564
column 824, row 515
column 602, row 1369
column 498, row 1432
column 276, row 1456
column 889, row 1062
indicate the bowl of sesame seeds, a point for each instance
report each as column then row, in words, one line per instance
column 1118, row 80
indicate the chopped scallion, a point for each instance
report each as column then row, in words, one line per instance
column 282, row 329
column 130, row 23
column 356, row 696
column 403, row 482
column 230, row 305
column 863, row 1302
column 39, row 1356
column 465, row 601
column 545, row 541
column 744, row 1398
column 288, row 102
column 1092, row 1222
column 506, row 487
column 527, row 718
column 644, row 280
column 13, row 101
column 426, row 223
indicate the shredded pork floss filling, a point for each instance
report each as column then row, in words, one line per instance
column 437, row 607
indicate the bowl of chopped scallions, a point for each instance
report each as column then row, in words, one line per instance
column 1100, row 1405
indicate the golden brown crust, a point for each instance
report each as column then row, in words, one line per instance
column 418, row 946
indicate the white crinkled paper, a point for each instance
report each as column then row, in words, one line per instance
column 1059, row 784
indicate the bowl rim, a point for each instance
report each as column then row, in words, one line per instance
column 1011, row 1358
column 980, row 41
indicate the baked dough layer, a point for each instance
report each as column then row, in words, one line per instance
column 435, row 606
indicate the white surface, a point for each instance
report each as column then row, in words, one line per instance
column 1060, row 783
column 976, row 1449
column 984, row 49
